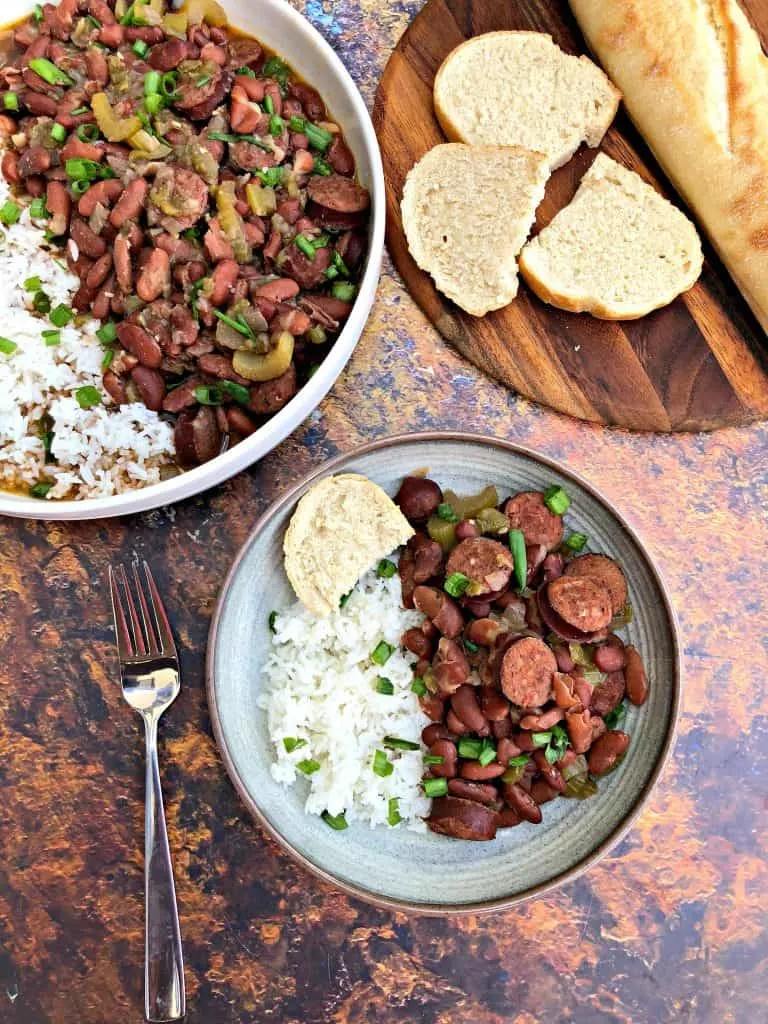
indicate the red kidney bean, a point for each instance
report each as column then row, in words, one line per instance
column 35, row 185
column 59, row 205
column 540, row 723
column 418, row 498
column 579, row 727
column 129, row 205
column 430, row 734
column 598, row 727
column 427, row 557
column 467, row 708
column 563, row 689
column 88, row 242
column 340, row 157
column 102, row 304
column 38, row 105
column 217, row 54
column 502, row 728
column 450, row 666
column 150, row 386
column 522, row 802
column 76, row 149
column 508, row 818
column 168, row 55
column 481, row 772
column 440, row 608
column 111, row 36
column 483, row 632
column 552, row 567
column 123, row 269
column 104, row 192
column 542, row 792
column 34, row 160
column 609, row 659
column 477, row 606
column 115, row 387
column 141, row 344
column 433, row 706
column 466, row 529
column 239, row 421
column 10, row 167
column 609, row 694
column 155, row 276
column 146, row 33
column 550, row 772
column 583, row 690
column 606, row 751
column 278, row 291
column 82, row 299
column 482, row 794
column 38, row 84
column 462, row 819
column 96, row 63
column 495, row 705
column 524, row 741
column 455, row 724
column 295, row 322
column 637, row 680
column 101, row 10
column 417, row 643
column 310, row 99
column 447, row 750
column 565, row 662
column 506, row 750
column 99, row 272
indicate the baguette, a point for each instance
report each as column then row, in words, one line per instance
column 695, row 82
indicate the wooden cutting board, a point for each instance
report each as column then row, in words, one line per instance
column 700, row 363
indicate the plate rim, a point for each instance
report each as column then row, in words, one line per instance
column 433, row 909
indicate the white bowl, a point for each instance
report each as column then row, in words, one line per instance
column 290, row 35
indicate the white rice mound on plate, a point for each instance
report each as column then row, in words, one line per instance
column 99, row 451
column 320, row 688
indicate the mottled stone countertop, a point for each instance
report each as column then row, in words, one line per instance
column 670, row 927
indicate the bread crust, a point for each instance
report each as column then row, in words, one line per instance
column 695, row 82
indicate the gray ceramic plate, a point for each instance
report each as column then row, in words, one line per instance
column 430, row 873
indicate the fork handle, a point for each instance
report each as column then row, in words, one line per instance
column 164, row 998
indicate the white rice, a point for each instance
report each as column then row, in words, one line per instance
column 99, row 451
column 321, row 689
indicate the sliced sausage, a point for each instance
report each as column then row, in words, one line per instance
column 168, row 55
column 197, row 436
column 462, row 819
column 267, row 397
column 178, row 198
column 609, row 694
column 581, row 603
column 528, row 513
column 308, row 273
column 487, row 563
column 603, row 571
column 527, row 672
column 337, row 193
column 198, row 103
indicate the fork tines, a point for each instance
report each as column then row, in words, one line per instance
column 144, row 633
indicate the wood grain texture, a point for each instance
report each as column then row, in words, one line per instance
column 698, row 364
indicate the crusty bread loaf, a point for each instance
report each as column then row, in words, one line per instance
column 520, row 89
column 467, row 211
column 695, row 81
column 341, row 528
column 618, row 250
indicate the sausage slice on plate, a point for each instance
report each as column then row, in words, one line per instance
column 462, row 819
column 581, row 602
column 527, row 671
column 485, row 562
column 605, row 572
column 528, row 513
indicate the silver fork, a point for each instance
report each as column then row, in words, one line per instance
column 149, row 673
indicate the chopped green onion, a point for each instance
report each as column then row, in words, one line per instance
column 248, row 72
column 318, row 137
column 615, row 717
column 127, row 18
column 541, row 739
column 445, row 512
column 272, row 177
column 316, row 335
column 58, row 132
column 393, row 814
column 291, row 743
column 418, row 687
column 456, row 584
column 384, row 686
column 61, row 316
column 336, row 821
column 237, row 325
column 51, row 338
column 140, row 48
column 433, row 759
column 517, row 547
column 153, row 104
column 237, row 392
column 33, row 284
column 397, row 744
column 470, row 748
column 231, row 137
column 487, row 754
column 7, row 347
column 472, row 648
column 40, row 490
column 343, row 290
column 345, row 600
column 382, row 653
column 277, row 69
column 576, row 541
column 208, row 395
column 557, row 745
column 94, row 21
column 435, row 787
column 168, row 84
column 49, row 72
column 10, row 212
column 309, row 766
column 339, row 265
column 88, row 396
column 107, row 333
column 276, row 125
column 269, row 104
column 331, row 273
column 382, row 766
column 37, row 13
column 385, row 570
column 556, row 500
column 11, row 101
column 41, row 303
column 271, row 621
column 152, row 83
column 80, row 187
column 517, row 762
column 202, row 80
column 322, row 167
column 87, row 132
column 109, row 355
column 78, row 111
column 79, row 169
column 305, row 245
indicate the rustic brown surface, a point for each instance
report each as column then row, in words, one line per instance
column 670, row 928
column 700, row 363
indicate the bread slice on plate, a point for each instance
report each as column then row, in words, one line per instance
column 520, row 89
column 467, row 210
column 341, row 528
column 618, row 250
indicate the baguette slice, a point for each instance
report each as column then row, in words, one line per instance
column 695, row 81
column 520, row 89
column 618, row 250
column 341, row 528
column 467, row 211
